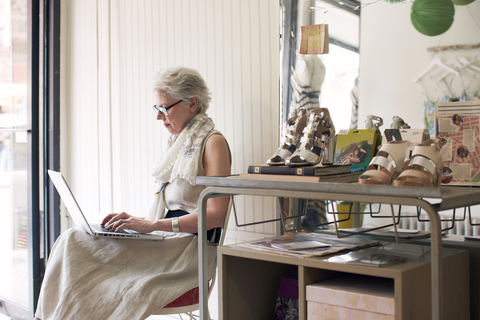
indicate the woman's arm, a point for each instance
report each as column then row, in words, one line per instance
column 216, row 162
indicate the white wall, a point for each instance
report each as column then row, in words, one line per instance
column 109, row 136
column 393, row 53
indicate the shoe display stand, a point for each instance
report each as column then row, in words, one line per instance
column 431, row 200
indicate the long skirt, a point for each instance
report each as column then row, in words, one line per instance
column 102, row 278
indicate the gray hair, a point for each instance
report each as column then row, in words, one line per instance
column 182, row 83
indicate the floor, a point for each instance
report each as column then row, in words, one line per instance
column 212, row 308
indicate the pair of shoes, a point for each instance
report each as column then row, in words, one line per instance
column 318, row 141
column 296, row 122
column 394, row 165
column 307, row 140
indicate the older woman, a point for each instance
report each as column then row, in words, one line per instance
column 93, row 278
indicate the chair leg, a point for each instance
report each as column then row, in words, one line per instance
column 189, row 314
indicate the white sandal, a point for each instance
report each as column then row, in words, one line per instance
column 296, row 122
column 318, row 141
column 424, row 169
column 387, row 164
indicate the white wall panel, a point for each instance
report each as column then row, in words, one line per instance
column 79, row 133
column 110, row 49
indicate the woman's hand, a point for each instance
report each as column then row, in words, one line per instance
column 117, row 222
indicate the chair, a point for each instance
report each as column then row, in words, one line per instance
column 189, row 301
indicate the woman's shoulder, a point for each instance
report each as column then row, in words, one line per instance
column 216, row 142
column 216, row 151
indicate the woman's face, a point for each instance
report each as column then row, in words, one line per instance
column 178, row 116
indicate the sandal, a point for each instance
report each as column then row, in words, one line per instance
column 387, row 164
column 424, row 168
column 398, row 123
column 291, row 138
column 318, row 141
column 373, row 122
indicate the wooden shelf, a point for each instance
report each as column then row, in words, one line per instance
column 249, row 280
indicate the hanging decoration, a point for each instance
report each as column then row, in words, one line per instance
column 432, row 17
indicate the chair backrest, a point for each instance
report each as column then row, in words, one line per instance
column 225, row 223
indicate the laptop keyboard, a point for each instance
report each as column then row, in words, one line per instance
column 100, row 228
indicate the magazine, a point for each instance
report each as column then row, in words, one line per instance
column 377, row 260
column 331, row 244
column 300, row 245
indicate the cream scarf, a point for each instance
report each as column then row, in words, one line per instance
column 179, row 161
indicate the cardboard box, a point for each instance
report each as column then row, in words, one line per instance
column 459, row 124
column 351, row 297
column 357, row 146
column 415, row 136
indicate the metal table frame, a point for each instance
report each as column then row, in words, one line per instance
column 432, row 200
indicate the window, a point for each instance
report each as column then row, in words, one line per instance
column 341, row 63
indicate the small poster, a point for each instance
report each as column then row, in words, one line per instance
column 459, row 124
column 314, row 39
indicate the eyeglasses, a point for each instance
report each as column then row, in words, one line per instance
column 164, row 110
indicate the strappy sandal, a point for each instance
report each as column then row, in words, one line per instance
column 387, row 164
column 291, row 138
column 373, row 122
column 398, row 123
column 318, row 141
column 424, row 169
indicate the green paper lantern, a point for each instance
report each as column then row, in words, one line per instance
column 432, row 17
column 462, row 2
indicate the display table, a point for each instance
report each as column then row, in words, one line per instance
column 248, row 280
column 432, row 200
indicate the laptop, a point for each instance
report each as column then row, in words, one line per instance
column 79, row 218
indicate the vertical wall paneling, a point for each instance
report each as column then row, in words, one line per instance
column 146, row 110
column 93, row 111
column 116, row 73
column 104, row 108
column 226, row 70
column 111, row 139
column 80, row 145
column 134, row 106
column 129, row 130
column 270, row 111
column 245, row 89
column 256, row 93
